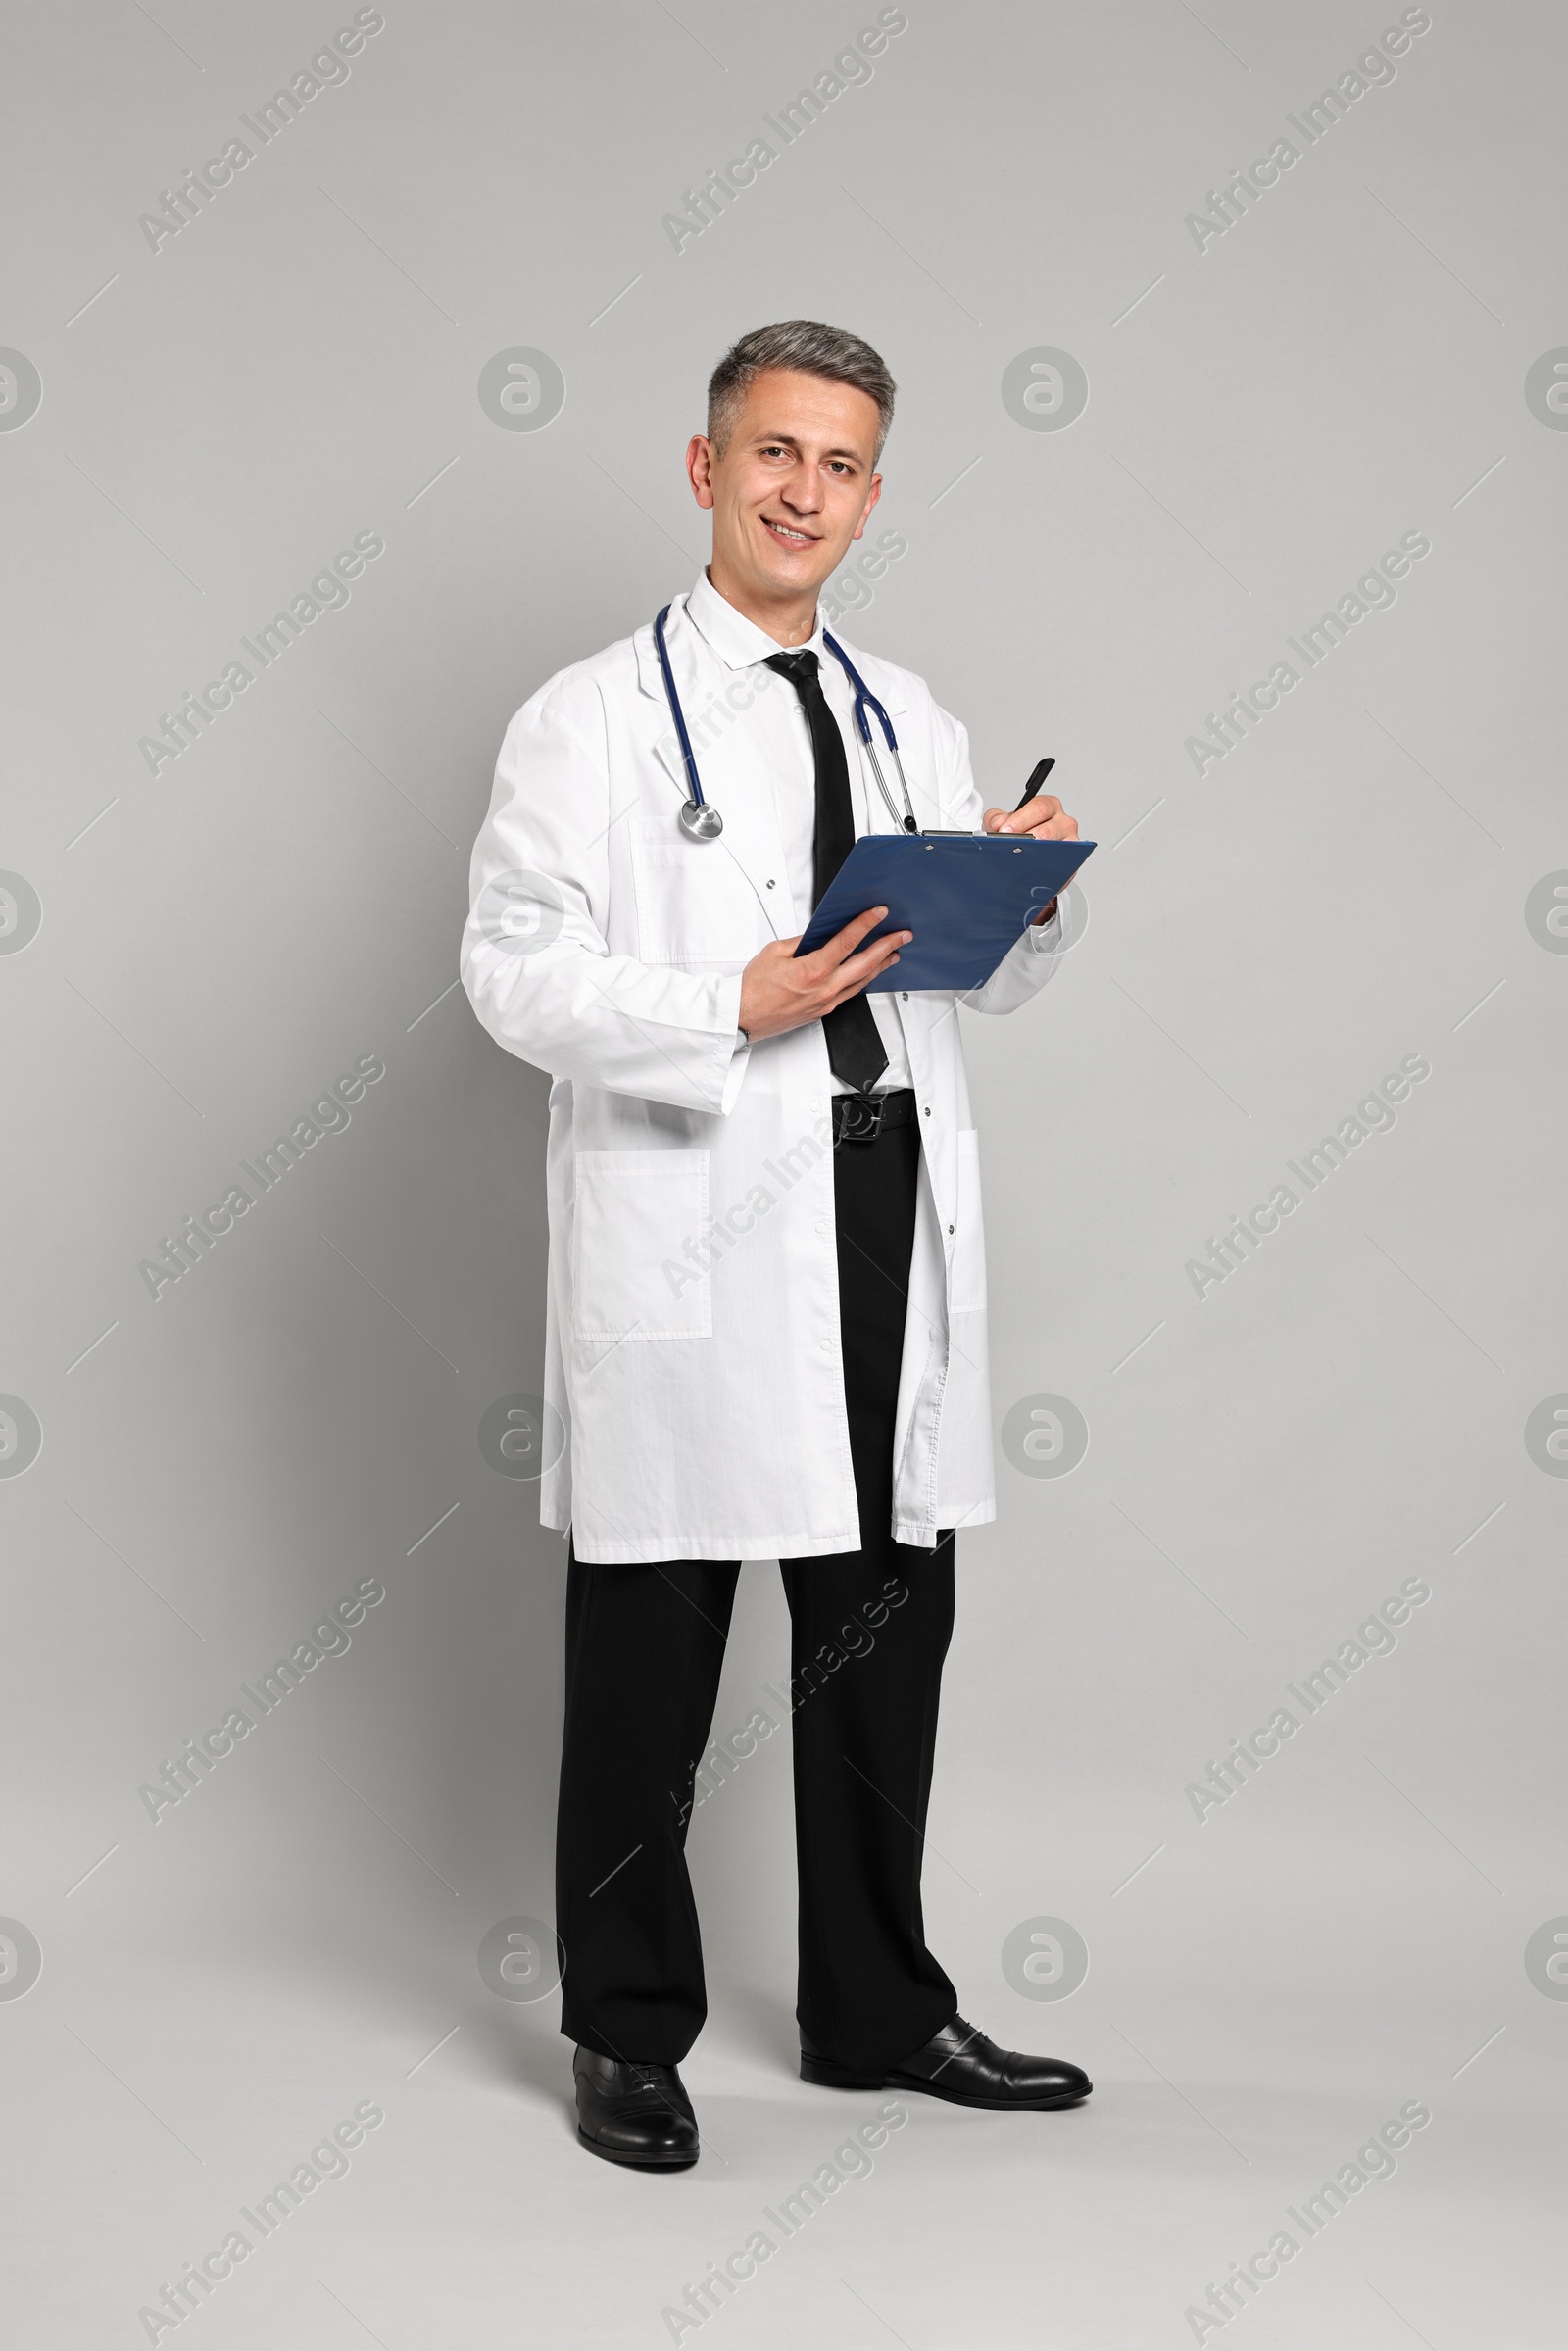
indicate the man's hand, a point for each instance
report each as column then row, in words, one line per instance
column 781, row 991
column 1045, row 817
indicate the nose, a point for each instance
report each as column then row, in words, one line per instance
column 803, row 490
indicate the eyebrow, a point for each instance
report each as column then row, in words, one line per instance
column 791, row 440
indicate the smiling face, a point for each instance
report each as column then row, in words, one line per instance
column 791, row 490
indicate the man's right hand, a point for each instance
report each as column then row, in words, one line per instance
column 780, row 990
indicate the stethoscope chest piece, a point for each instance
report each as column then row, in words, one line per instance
column 700, row 820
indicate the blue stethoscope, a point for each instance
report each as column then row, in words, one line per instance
column 701, row 820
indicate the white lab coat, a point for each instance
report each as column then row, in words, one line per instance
column 692, row 1329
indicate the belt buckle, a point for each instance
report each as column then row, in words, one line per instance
column 859, row 1117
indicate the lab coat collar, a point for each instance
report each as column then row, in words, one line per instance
column 740, row 643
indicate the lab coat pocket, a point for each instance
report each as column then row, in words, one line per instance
column 693, row 903
column 969, row 1242
column 636, row 1214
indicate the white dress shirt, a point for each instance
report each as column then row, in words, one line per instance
column 779, row 723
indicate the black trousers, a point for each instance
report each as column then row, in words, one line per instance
column 869, row 1630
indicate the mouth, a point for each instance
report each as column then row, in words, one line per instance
column 786, row 536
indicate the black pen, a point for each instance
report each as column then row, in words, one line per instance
column 1035, row 781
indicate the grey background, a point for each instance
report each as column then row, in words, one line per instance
column 1348, row 886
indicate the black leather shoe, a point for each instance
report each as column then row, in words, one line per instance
column 636, row 2113
column 965, row 2067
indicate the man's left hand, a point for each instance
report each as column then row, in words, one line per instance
column 1045, row 817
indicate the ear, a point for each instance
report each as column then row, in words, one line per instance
column 699, row 469
column 871, row 499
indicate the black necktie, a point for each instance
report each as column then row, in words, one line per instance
column 855, row 1048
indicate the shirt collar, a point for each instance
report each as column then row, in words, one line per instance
column 738, row 642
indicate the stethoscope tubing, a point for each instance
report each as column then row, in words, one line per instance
column 864, row 696
column 864, row 699
column 692, row 784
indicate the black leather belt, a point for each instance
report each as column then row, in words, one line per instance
column 862, row 1117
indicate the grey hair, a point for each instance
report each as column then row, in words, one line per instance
column 806, row 348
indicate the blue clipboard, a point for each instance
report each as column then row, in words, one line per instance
column 966, row 895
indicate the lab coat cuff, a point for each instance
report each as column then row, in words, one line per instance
column 735, row 1077
column 737, row 1074
column 1045, row 938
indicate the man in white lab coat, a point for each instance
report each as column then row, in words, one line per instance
column 766, row 1332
